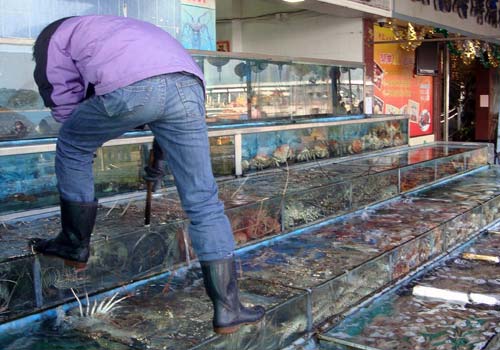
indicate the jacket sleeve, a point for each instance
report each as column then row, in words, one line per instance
column 62, row 113
column 59, row 82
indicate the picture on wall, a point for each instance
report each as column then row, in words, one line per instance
column 378, row 105
column 390, row 109
column 413, row 109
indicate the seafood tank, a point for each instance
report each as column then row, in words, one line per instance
column 260, row 206
column 253, row 88
column 298, row 122
column 240, row 89
column 29, row 176
column 328, row 207
column 305, row 278
column 402, row 320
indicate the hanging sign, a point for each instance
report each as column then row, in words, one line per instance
column 483, row 11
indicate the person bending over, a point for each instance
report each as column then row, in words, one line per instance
column 102, row 76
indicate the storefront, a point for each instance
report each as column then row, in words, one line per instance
column 310, row 123
column 452, row 103
column 289, row 101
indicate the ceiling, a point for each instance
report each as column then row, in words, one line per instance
column 252, row 8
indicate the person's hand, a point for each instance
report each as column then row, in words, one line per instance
column 155, row 170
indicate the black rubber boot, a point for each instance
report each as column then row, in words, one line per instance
column 72, row 243
column 222, row 288
column 155, row 170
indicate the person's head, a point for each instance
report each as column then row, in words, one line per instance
column 42, row 41
column 39, row 41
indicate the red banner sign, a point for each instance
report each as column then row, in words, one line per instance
column 397, row 90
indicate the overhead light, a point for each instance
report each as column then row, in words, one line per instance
column 293, row 0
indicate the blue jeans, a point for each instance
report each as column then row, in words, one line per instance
column 173, row 107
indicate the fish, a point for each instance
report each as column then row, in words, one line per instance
column 21, row 197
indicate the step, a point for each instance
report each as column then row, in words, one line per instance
column 399, row 320
column 304, row 278
column 124, row 250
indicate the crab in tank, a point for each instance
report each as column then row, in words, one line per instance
column 356, row 146
column 305, row 154
column 320, row 150
column 282, row 155
column 261, row 161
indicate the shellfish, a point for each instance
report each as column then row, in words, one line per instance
column 282, row 154
column 305, row 154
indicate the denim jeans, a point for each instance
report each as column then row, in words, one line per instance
column 173, row 107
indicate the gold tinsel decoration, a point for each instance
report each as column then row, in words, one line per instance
column 410, row 34
column 491, row 58
column 469, row 52
column 485, row 53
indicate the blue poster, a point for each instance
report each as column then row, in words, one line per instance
column 198, row 28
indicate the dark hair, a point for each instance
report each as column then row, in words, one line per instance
column 44, row 37
column 35, row 45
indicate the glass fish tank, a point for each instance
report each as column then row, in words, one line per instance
column 300, row 121
column 259, row 207
column 252, row 88
column 288, row 146
column 401, row 320
column 303, row 278
column 240, row 90
column 30, row 183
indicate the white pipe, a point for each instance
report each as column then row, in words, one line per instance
column 489, row 258
column 453, row 296
column 446, row 93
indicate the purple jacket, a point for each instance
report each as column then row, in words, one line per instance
column 75, row 55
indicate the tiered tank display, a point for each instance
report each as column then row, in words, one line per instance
column 304, row 279
column 298, row 120
column 259, row 206
column 29, row 178
column 304, row 175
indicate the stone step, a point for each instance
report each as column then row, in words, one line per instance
column 123, row 250
column 305, row 278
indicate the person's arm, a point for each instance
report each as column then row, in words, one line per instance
column 62, row 113
column 59, row 81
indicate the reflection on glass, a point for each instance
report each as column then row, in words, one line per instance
column 281, row 148
column 16, row 288
column 27, row 18
column 238, row 90
column 252, row 89
column 222, row 155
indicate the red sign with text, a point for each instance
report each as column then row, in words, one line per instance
column 397, row 90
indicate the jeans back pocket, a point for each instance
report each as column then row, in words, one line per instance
column 126, row 100
column 192, row 96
